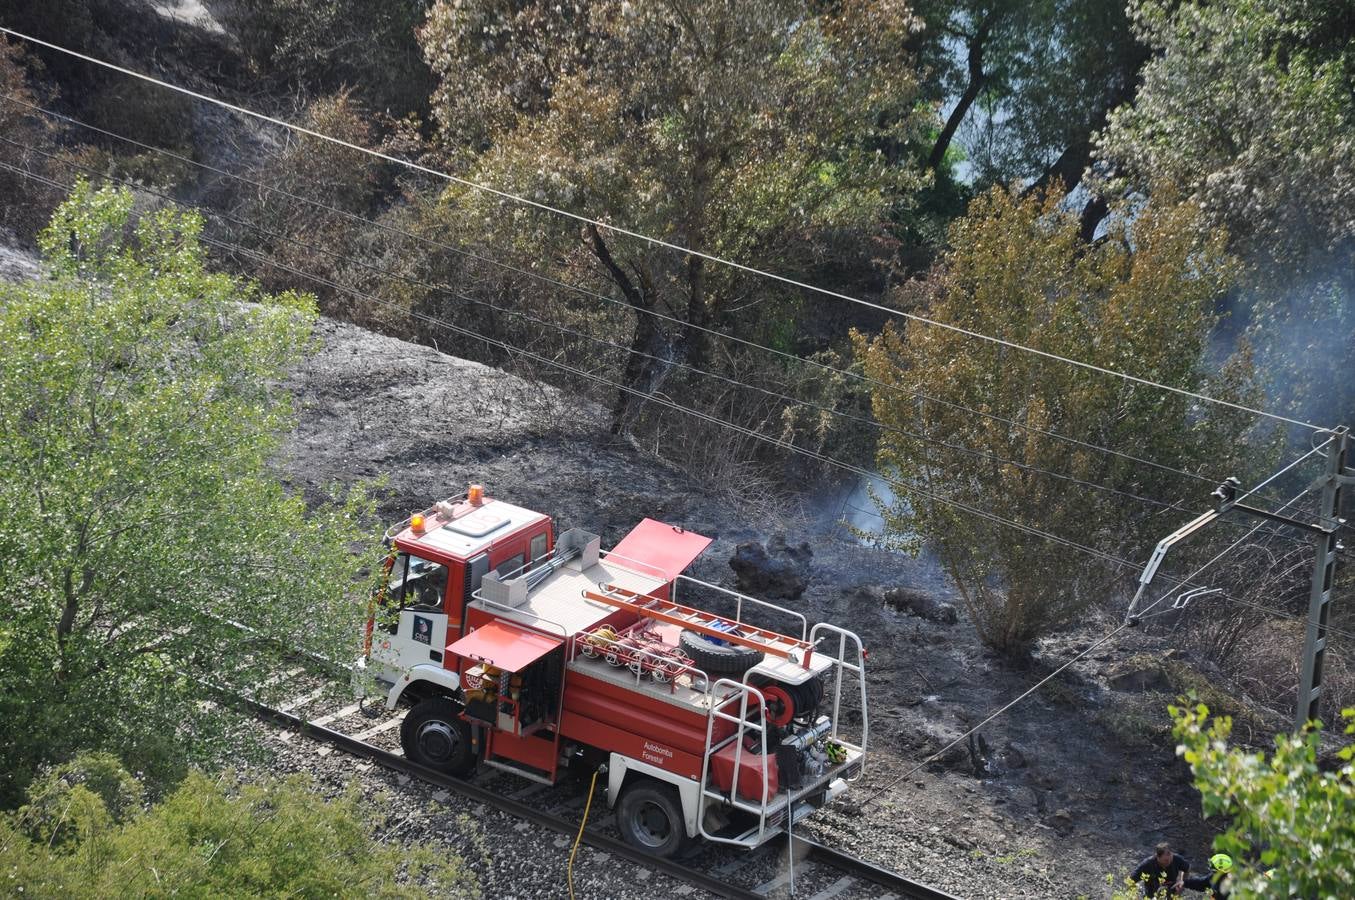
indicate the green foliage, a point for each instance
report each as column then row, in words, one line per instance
column 1248, row 107
column 1050, row 71
column 1139, row 302
column 211, row 838
column 140, row 403
column 1284, row 814
column 746, row 130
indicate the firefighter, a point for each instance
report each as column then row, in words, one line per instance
column 1163, row 868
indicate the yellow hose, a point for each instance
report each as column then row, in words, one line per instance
column 569, row 870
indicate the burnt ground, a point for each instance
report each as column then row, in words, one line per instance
column 1081, row 780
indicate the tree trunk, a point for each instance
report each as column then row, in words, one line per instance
column 1072, row 163
column 649, row 351
column 977, row 78
column 695, row 343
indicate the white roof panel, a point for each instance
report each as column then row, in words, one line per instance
column 473, row 529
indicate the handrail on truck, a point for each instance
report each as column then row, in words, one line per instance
column 741, row 724
column 841, row 664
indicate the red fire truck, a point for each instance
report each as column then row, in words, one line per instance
column 523, row 651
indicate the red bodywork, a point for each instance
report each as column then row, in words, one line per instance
column 593, row 710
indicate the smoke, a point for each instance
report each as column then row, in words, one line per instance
column 1303, row 327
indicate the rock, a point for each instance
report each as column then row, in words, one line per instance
column 921, row 604
column 1138, row 675
column 781, row 574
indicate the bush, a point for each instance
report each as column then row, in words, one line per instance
column 316, row 47
column 134, row 536
column 27, row 202
column 85, row 834
column 1288, row 824
column 1140, row 301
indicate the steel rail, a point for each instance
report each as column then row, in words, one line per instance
column 564, row 826
column 903, row 886
column 718, row 886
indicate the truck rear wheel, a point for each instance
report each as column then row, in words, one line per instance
column 435, row 735
column 649, row 817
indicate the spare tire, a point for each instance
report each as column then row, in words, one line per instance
column 718, row 659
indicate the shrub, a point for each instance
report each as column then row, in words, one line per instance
column 210, row 837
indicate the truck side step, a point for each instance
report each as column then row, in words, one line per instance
column 521, row 771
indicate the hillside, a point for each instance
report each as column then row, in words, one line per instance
column 1072, row 799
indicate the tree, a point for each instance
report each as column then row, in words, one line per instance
column 1140, row 302
column 1248, row 108
column 140, row 405
column 1027, row 84
column 746, row 130
column 1286, row 815
column 84, row 832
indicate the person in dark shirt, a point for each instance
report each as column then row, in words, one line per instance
column 1162, row 868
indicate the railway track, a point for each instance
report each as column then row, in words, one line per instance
column 821, row 872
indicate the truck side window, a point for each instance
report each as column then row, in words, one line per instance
column 509, row 566
column 538, row 548
column 417, row 582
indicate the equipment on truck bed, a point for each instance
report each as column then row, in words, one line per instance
column 526, row 652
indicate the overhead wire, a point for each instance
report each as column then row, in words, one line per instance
column 449, row 291
column 643, row 396
column 890, row 785
column 653, row 313
column 617, row 229
column 507, row 347
column 790, row 446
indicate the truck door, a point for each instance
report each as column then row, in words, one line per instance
column 412, row 625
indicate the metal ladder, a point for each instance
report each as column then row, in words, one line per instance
column 793, row 649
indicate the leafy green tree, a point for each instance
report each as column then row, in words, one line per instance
column 1031, row 81
column 140, row 523
column 1139, row 302
column 1290, row 820
column 747, row 130
column 84, row 833
column 1248, row 108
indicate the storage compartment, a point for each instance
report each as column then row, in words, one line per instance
column 751, row 767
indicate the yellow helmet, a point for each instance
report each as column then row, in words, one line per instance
column 1221, row 862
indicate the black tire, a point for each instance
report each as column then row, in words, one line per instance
column 435, row 735
column 649, row 817
column 718, row 659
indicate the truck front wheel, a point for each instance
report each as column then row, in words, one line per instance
column 649, row 817
column 435, row 735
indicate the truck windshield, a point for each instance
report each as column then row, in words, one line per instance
column 417, row 582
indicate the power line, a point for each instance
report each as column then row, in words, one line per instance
column 506, row 195
column 1097, row 643
column 893, row 388
column 661, row 401
column 644, row 397
column 446, row 289
column 1183, row 582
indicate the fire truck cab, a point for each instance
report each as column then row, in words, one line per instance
column 523, row 652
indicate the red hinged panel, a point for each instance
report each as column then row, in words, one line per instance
column 504, row 646
column 751, row 767
column 652, row 548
